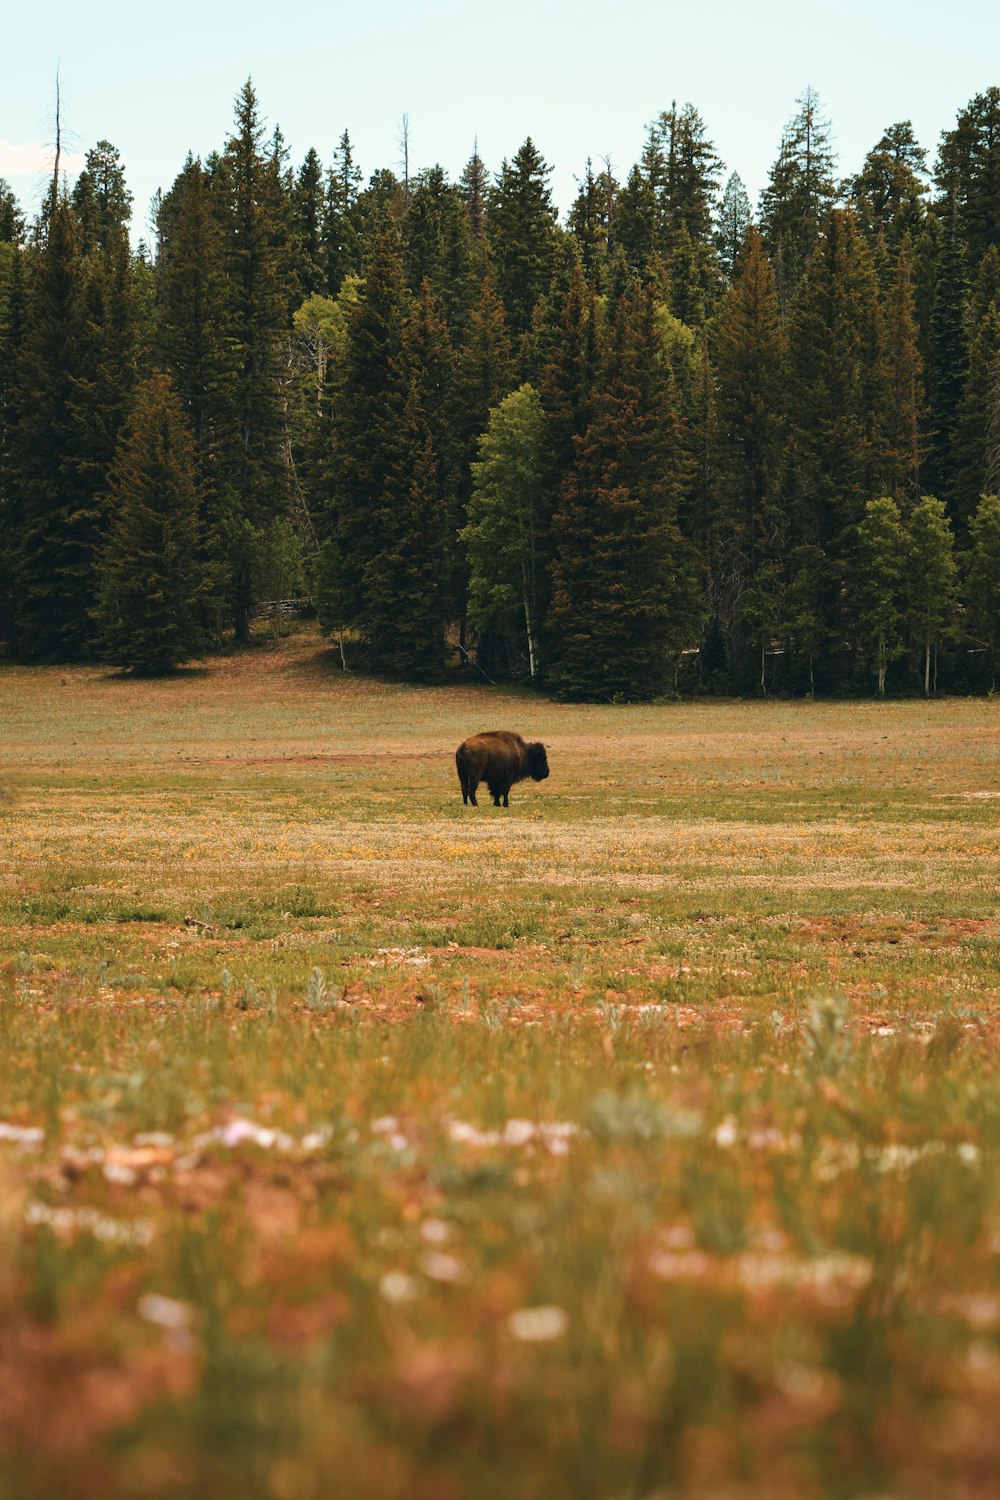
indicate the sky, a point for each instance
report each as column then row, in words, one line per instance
column 582, row 79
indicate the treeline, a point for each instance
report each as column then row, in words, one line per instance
column 670, row 444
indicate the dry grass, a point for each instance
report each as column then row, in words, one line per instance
column 357, row 1142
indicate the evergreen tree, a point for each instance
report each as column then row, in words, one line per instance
column 149, row 578
column 799, row 194
column 11, row 218
column 904, row 447
column 475, row 191
column 57, row 531
column 367, row 410
column 404, row 607
column 948, row 360
column 618, row 608
column 881, row 560
column 888, row 193
column 439, row 246
column 968, row 175
column 733, row 220
column 976, row 442
column 12, row 315
column 931, row 582
column 983, row 574
column 503, row 534
column 257, row 275
column 590, row 221
column 522, row 225
column 838, row 397
column 342, row 217
column 746, row 535
column 308, row 204
column 193, row 344
column 636, row 221
column 100, row 198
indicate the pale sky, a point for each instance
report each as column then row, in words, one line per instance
column 582, row 79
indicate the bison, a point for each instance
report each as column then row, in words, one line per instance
column 499, row 758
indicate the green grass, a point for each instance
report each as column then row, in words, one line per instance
column 641, row 1140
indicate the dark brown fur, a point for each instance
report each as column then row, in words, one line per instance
column 499, row 758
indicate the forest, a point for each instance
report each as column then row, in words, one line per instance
column 671, row 443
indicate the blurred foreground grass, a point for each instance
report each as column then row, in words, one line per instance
column 641, row 1141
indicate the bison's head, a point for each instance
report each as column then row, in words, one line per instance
column 538, row 766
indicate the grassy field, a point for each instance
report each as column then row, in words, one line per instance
column 639, row 1141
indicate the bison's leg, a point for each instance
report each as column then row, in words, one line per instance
column 496, row 792
column 466, row 780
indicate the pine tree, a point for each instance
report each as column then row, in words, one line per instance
column 342, row 216
column 636, row 221
column 750, row 353
column 733, row 219
column 590, row 221
column 976, row 439
column 881, row 560
column 618, row 616
column 522, row 226
column 194, row 346
column 367, row 416
column 906, row 412
column 404, row 608
column 101, row 200
column 439, row 247
column 12, row 315
column 257, row 275
column 983, row 575
column 57, row 532
column 948, row 361
column 475, row 191
column 888, row 193
column 149, row 578
column 968, row 175
column 799, row 194
column 11, row 218
column 308, row 202
column 838, row 397
column 932, row 575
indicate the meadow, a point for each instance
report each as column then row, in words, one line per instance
column 638, row 1142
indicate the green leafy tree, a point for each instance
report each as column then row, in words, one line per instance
column 881, row 562
column 983, row 576
column 932, row 575
column 505, row 512
column 149, row 578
